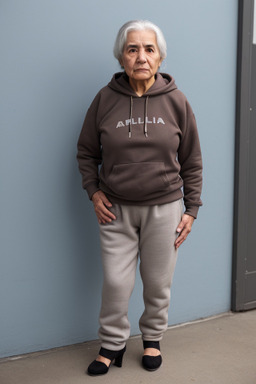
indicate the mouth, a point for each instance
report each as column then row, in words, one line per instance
column 141, row 70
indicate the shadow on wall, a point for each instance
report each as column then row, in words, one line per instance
column 78, row 257
column 86, row 263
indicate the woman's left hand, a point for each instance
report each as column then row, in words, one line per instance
column 183, row 229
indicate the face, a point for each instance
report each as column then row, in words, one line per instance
column 141, row 57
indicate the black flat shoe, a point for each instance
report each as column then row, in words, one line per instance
column 151, row 363
column 99, row 368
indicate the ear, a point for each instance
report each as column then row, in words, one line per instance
column 121, row 62
column 160, row 62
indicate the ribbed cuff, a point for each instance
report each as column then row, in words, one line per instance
column 91, row 189
column 192, row 211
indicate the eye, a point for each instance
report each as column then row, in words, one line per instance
column 132, row 50
column 150, row 50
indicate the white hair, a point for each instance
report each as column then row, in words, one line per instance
column 139, row 25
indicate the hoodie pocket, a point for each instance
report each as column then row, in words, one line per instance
column 137, row 181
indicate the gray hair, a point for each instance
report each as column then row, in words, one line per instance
column 139, row 25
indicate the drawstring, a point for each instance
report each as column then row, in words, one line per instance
column 130, row 120
column 145, row 117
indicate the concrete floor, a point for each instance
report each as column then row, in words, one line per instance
column 219, row 350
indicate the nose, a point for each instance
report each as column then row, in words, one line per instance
column 141, row 58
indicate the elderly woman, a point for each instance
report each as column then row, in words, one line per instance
column 142, row 131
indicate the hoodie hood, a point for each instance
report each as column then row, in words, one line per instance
column 164, row 83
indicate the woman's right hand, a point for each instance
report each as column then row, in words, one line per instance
column 101, row 205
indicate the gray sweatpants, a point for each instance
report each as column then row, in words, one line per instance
column 148, row 232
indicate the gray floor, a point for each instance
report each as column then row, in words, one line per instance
column 219, row 350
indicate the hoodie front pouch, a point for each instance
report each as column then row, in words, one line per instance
column 138, row 181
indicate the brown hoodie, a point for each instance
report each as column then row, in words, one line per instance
column 148, row 146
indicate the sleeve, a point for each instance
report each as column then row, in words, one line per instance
column 89, row 150
column 190, row 159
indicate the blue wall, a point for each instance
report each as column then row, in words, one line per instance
column 55, row 56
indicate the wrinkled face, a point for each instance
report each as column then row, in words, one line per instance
column 141, row 57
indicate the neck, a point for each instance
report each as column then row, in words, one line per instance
column 141, row 86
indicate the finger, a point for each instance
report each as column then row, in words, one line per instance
column 101, row 205
column 106, row 201
column 180, row 227
column 182, row 224
column 105, row 218
column 100, row 196
column 182, row 236
column 107, row 214
column 183, row 229
column 103, row 213
column 180, row 239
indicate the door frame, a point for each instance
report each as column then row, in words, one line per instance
column 241, row 206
